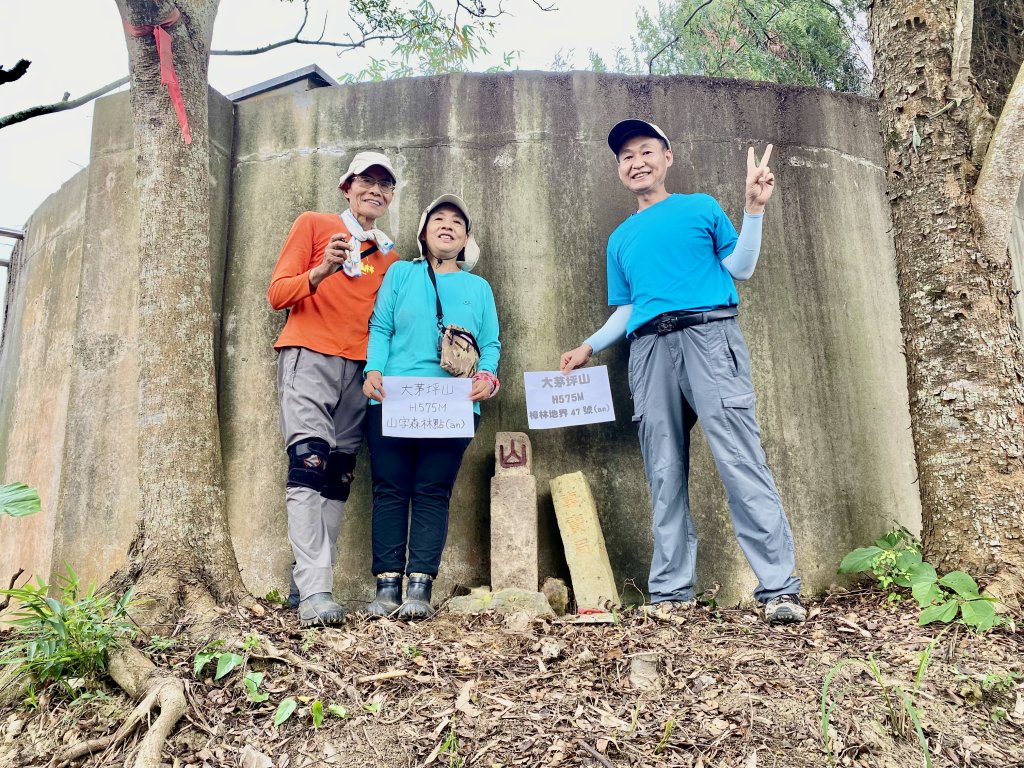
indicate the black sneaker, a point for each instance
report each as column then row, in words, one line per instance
column 785, row 609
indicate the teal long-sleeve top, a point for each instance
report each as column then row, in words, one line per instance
column 403, row 327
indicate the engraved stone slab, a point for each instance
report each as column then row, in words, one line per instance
column 513, row 454
column 514, row 532
column 592, row 580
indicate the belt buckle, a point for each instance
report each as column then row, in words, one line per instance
column 665, row 325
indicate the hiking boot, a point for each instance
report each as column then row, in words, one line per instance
column 293, row 591
column 389, row 595
column 320, row 608
column 785, row 609
column 417, row 597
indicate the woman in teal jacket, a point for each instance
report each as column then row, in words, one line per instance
column 420, row 472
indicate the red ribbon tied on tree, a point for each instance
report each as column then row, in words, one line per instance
column 165, row 51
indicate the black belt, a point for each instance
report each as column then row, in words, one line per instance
column 673, row 321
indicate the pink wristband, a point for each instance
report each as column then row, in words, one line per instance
column 491, row 379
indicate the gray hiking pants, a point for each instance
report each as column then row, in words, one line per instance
column 703, row 372
column 320, row 396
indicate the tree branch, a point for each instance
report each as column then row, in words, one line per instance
column 995, row 195
column 679, row 34
column 60, row 106
column 15, row 72
column 14, row 580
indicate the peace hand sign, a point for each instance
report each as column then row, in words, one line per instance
column 760, row 181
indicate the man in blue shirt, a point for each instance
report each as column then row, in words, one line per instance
column 671, row 267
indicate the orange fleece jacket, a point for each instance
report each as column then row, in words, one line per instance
column 334, row 319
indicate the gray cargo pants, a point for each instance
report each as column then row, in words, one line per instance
column 703, row 372
column 320, row 396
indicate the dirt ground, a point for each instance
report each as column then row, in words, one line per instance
column 717, row 689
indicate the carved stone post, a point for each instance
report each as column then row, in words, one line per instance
column 513, row 514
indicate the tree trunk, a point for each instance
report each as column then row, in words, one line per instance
column 964, row 359
column 182, row 550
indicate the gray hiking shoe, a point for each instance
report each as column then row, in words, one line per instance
column 785, row 609
column 320, row 609
column 293, row 592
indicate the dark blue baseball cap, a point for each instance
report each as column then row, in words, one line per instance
column 622, row 131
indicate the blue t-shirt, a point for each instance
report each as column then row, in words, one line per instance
column 403, row 327
column 668, row 258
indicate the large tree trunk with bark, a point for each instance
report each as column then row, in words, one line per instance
column 182, row 550
column 964, row 358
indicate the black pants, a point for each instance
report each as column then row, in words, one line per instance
column 411, row 471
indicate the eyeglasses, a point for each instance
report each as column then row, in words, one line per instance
column 386, row 185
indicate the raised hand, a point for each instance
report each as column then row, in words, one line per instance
column 760, row 181
column 338, row 249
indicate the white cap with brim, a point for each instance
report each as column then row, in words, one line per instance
column 623, row 131
column 470, row 255
column 365, row 160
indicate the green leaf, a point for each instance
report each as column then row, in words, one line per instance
column 944, row 612
column 225, row 663
column 922, row 573
column 859, row 560
column 252, row 683
column 890, row 540
column 926, row 593
column 980, row 614
column 337, row 710
column 373, row 707
column 961, row 583
column 317, row 710
column 18, row 500
column 285, row 710
column 202, row 659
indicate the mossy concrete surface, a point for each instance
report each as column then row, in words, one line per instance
column 527, row 152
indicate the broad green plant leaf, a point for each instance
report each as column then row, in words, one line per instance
column 317, row 711
column 18, row 500
column 252, row 683
column 285, row 710
column 944, row 612
column 980, row 614
column 921, row 573
column 926, row 593
column 225, row 663
column 202, row 659
column 860, row 560
column 961, row 583
column 337, row 710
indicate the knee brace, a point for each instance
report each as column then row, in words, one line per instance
column 307, row 464
column 338, row 480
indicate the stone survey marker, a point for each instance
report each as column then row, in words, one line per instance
column 513, row 514
column 592, row 580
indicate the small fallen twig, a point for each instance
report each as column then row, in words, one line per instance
column 595, row 754
column 14, row 579
column 382, row 676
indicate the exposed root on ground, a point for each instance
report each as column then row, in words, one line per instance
column 156, row 691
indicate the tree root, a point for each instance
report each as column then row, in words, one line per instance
column 141, row 679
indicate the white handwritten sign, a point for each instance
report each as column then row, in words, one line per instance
column 581, row 397
column 423, row 406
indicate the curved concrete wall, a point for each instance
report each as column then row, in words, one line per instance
column 527, row 151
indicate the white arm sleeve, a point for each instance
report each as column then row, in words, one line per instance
column 614, row 330
column 743, row 259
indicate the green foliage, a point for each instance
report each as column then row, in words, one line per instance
column 252, row 682
column 428, row 41
column 251, row 642
column 285, row 710
column 337, row 710
column 58, row 639
column 793, row 42
column 275, row 597
column 316, row 710
column 18, row 500
column 159, row 644
column 895, row 560
column 226, row 660
column 898, row 702
column 450, row 748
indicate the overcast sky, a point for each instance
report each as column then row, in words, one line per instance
column 77, row 46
